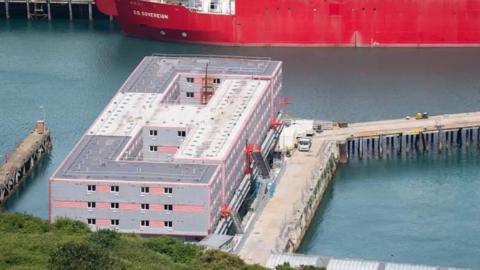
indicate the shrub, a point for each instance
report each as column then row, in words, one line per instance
column 70, row 226
column 104, row 238
column 81, row 256
column 176, row 250
column 22, row 223
column 218, row 260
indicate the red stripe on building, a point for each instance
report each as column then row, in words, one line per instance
column 103, row 188
column 103, row 205
column 102, row 222
column 156, row 224
column 156, row 190
column 70, row 204
column 167, row 149
column 129, row 206
column 188, row 208
column 156, row 207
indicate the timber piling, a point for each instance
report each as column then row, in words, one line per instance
column 21, row 162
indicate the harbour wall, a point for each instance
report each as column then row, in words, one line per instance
column 292, row 233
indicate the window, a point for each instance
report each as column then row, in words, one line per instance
column 182, row 133
column 145, row 223
column 190, row 94
column 153, row 132
column 91, row 204
column 190, row 80
column 153, row 148
column 168, row 190
column 91, row 187
column 114, row 188
column 212, row 5
column 217, row 81
column 167, row 207
column 114, row 205
column 145, row 206
column 145, row 190
column 114, row 222
column 168, row 224
column 91, row 221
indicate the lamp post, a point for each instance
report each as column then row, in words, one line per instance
column 44, row 112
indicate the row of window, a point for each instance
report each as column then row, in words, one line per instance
column 116, row 222
column 167, row 190
column 180, row 133
column 143, row 206
column 192, row 80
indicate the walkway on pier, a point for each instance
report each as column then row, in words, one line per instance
column 410, row 126
column 282, row 208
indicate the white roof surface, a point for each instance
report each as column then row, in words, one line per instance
column 222, row 118
column 212, row 126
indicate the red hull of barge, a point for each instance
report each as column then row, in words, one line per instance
column 366, row 23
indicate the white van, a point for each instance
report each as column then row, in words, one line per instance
column 304, row 144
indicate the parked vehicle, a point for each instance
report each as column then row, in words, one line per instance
column 304, row 144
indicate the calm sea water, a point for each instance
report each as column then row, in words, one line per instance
column 422, row 210
column 73, row 69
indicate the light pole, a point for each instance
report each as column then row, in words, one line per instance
column 44, row 112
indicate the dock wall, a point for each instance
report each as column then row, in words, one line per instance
column 292, row 233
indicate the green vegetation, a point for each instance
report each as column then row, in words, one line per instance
column 32, row 243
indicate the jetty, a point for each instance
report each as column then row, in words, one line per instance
column 283, row 222
column 43, row 9
column 21, row 162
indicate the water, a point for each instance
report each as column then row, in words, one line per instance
column 73, row 69
column 420, row 210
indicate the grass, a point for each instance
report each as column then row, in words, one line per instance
column 31, row 243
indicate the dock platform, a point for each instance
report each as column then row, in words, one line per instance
column 281, row 225
column 20, row 163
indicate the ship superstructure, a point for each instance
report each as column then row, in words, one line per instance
column 168, row 153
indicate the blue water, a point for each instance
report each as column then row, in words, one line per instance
column 422, row 210
column 73, row 69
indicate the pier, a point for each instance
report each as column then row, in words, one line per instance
column 43, row 9
column 21, row 162
column 283, row 222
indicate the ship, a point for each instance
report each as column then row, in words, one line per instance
column 333, row 23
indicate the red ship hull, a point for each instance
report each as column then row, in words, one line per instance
column 307, row 22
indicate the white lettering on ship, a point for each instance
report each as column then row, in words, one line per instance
column 150, row 14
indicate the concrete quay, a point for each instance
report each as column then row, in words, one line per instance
column 283, row 222
column 20, row 163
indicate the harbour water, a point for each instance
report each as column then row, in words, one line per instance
column 421, row 209
column 73, row 69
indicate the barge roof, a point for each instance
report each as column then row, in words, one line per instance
column 142, row 101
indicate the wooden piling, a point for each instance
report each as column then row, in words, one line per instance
column 90, row 12
column 49, row 11
column 27, row 4
column 70, row 14
column 7, row 11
